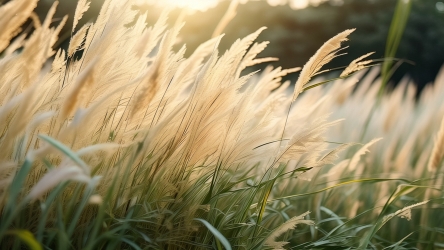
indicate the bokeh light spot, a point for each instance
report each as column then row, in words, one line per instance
column 440, row 6
column 299, row 4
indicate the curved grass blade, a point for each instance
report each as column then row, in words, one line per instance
column 27, row 237
column 366, row 240
column 216, row 233
column 371, row 180
column 397, row 245
column 66, row 151
column 397, row 27
column 13, row 206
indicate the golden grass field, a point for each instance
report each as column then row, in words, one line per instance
column 120, row 142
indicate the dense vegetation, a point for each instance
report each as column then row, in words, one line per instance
column 122, row 141
column 296, row 34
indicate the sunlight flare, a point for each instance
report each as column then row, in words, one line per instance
column 201, row 5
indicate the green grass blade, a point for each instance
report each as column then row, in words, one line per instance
column 66, row 151
column 12, row 205
column 27, row 237
column 397, row 245
column 46, row 209
column 216, row 233
column 131, row 243
column 402, row 189
column 86, row 195
column 397, row 27
column 371, row 180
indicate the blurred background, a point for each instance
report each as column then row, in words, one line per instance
column 297, row 28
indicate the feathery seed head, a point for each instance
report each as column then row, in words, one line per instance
column 437, row 155
column 357, row 65
column 324, row 55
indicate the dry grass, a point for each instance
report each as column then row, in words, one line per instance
column 122, row 142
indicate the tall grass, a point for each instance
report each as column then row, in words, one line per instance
column 121, row 142
column 403, row 136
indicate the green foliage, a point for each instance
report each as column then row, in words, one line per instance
column 125, row 143
column 397, row 27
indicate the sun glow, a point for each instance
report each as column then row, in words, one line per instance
column 201, row 5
